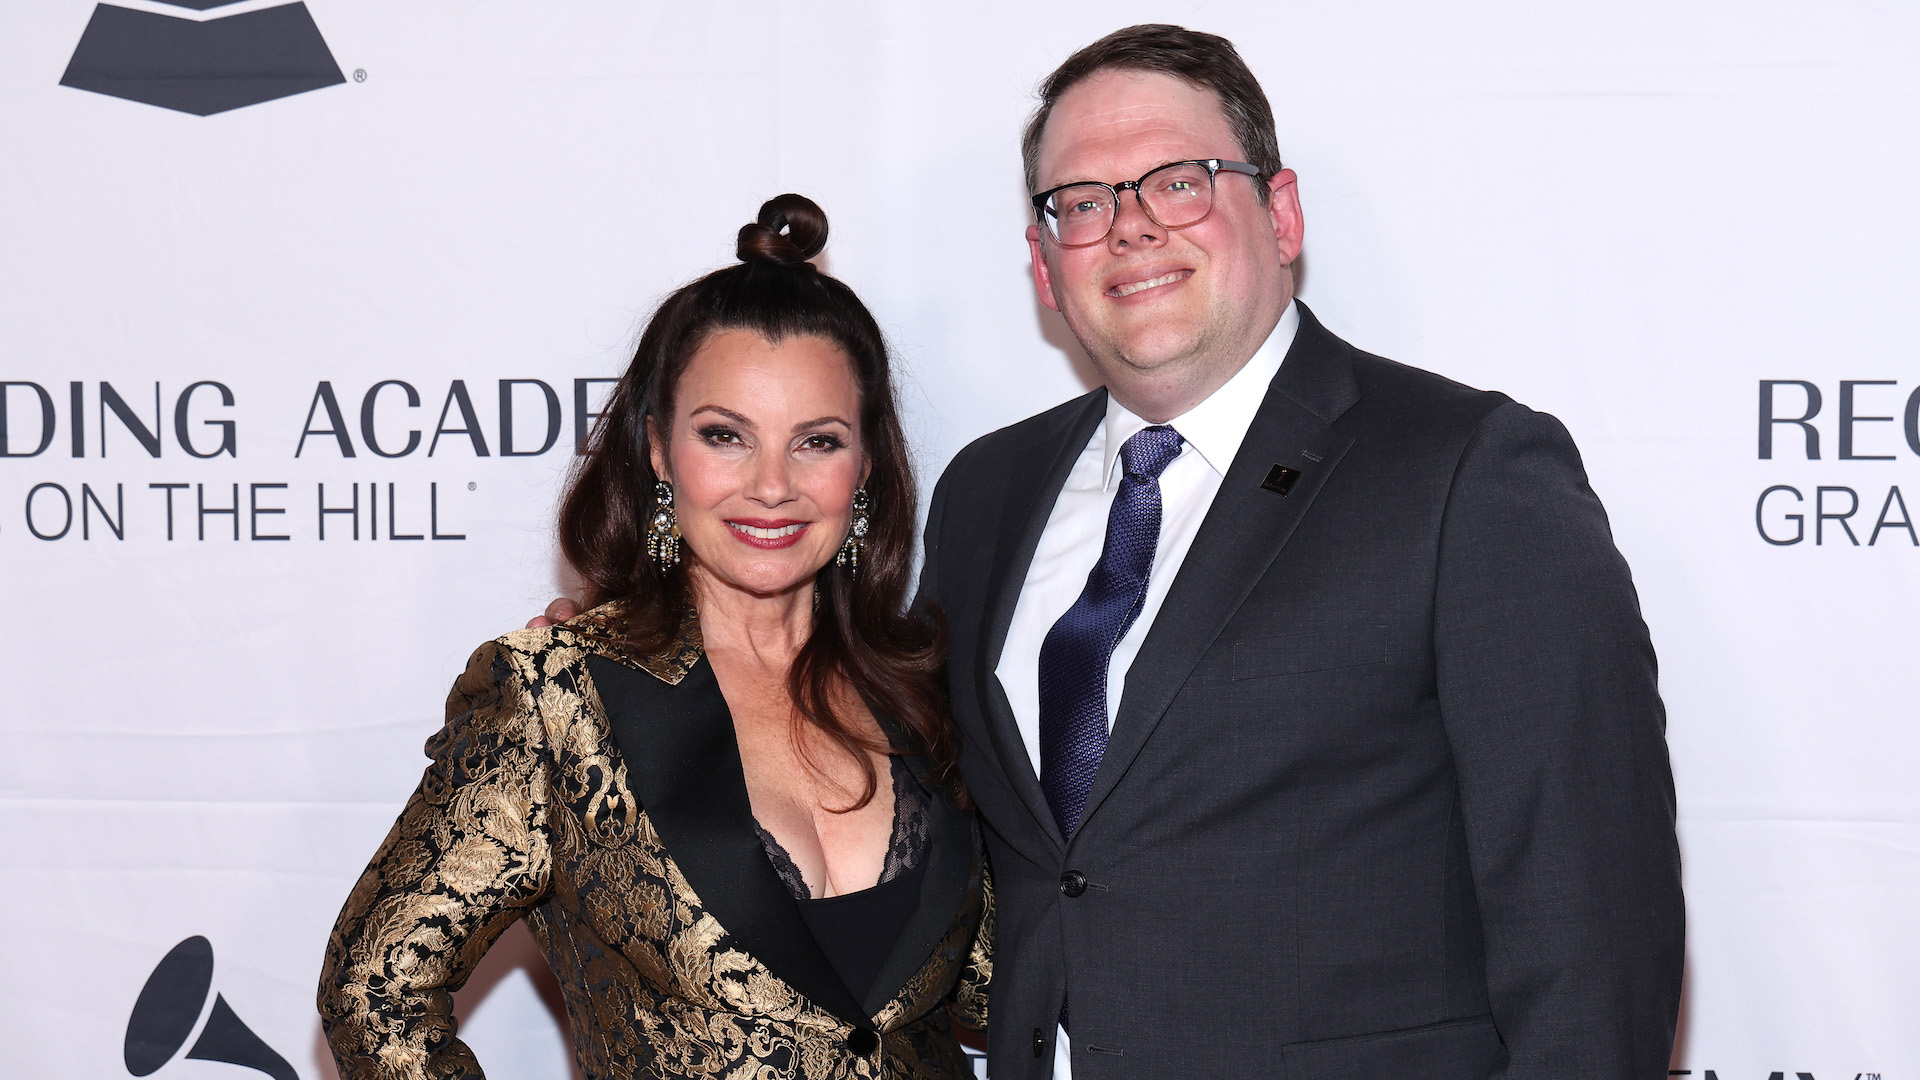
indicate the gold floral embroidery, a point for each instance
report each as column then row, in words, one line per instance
column 525, row 812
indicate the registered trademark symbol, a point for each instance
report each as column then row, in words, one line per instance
column 359, row 74
column 471, row 485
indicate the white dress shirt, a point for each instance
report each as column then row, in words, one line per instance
column 1077, row 530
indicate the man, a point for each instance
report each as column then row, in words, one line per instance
column 1304, row 695
column 1305, row 698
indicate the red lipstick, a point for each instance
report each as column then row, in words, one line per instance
column 767, row 533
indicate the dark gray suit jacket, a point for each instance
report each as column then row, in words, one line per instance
column 1387, row 795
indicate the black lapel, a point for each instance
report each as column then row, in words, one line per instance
column 942, row 891
column 1030, row 495
column 1240, row 537
column 684, row 765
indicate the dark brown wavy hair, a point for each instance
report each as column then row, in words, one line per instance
column 863, row 634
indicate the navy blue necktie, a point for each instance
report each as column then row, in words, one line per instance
column 1074, row 657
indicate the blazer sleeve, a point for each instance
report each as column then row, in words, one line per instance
column 468, row 855
column 1550, row 699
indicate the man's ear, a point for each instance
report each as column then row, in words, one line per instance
column 1283, row 206
column 1042, row 278
column 656, row 450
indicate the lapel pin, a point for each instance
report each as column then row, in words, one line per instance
column 1280, row 480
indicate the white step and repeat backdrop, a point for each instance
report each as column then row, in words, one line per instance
column 305, row 307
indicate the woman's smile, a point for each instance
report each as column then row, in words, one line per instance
column 767, row 534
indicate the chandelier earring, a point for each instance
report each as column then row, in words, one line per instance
column 856, row 541
column 663, row 529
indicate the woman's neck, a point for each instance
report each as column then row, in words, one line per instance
column 768, row 629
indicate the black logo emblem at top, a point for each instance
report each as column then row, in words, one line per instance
column 1280, row 480
column 202, row 66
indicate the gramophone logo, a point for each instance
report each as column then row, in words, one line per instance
column 205, row 65
column 169, row 1008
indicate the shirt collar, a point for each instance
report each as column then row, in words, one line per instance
column 1217, row 426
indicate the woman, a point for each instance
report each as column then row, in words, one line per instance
column 725, row 800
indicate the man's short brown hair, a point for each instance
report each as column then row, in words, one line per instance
column 1204, row 60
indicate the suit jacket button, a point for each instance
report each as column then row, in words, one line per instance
column 1073, row 883
column 863, row 1042
column 1039, row 1043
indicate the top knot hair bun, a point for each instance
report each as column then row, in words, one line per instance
column 791, row 230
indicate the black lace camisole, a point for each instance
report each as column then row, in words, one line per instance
column 857, row 930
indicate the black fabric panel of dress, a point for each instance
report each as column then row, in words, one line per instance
column 858, row 930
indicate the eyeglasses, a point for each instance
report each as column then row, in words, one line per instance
column 1174, row 196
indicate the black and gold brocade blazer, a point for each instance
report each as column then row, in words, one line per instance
column 598, row 794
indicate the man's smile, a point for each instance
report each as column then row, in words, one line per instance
column 1131, row 287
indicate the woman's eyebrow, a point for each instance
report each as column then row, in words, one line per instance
column 818, row 421
column 728, row 413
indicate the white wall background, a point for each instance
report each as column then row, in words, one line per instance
column 1625, row 213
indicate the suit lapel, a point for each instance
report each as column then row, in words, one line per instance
column 950, row 850
column 1031, row 494
column 684, row 766
column 1243, row 532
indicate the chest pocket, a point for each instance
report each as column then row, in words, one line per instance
column 1302, row 654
